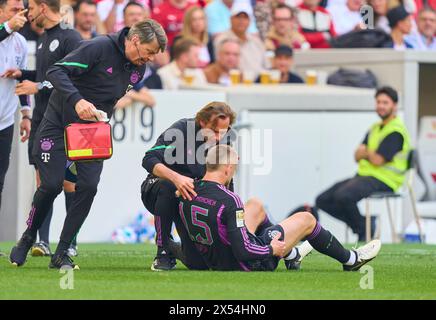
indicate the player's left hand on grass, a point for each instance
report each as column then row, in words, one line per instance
column 25, row 129
column 278, row 246
column 26, row 87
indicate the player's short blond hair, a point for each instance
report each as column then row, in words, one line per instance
column 220, row 155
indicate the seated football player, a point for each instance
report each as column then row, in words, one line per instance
column 231, row 236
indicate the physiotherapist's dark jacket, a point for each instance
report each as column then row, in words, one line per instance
column 181, row 137
column 97, row 71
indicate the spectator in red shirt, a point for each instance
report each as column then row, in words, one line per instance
column 170, row 15
column 420, row 4
column 315, row 24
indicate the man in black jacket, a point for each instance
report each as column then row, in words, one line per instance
column 55, row 43
column 176, row 159
column 94, row 76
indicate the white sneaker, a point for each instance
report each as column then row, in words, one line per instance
column 365, row 254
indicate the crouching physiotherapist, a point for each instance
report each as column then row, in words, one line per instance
column 94, row 76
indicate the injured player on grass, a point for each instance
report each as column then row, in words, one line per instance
column 232, row 236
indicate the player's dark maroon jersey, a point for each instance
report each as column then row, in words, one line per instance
column 215, row 223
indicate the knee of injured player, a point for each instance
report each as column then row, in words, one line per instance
column 307, row 219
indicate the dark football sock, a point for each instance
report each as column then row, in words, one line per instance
column 323, row 241
column 74, row 242
column 69, row 198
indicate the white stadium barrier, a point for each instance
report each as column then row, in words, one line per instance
column 315, row 130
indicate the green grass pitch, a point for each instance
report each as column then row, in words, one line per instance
column 111, row 271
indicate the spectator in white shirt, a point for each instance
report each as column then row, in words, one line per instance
column 346, row 16
column 253, row 52
column 13, row 55
column 186, row 60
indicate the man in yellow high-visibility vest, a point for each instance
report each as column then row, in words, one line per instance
column 382, row 163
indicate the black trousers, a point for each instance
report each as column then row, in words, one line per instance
column 340, row 201
column 50, row 158
column 44, row 231
column 158, row 196
column 6, row 137
column 33, row 129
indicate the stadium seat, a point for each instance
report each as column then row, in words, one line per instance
column 411, row 166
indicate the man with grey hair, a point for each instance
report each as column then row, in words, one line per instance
column 424, row 38
column 232, row 236
column 97, row 74
column 228, row 53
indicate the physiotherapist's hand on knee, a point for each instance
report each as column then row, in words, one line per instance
column 85, row 110
column 185, row 186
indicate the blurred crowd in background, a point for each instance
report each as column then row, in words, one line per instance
column 228, row 41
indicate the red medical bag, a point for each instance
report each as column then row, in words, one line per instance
column 88, row 141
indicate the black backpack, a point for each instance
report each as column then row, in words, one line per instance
column 363, row 39
column 353, row 78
